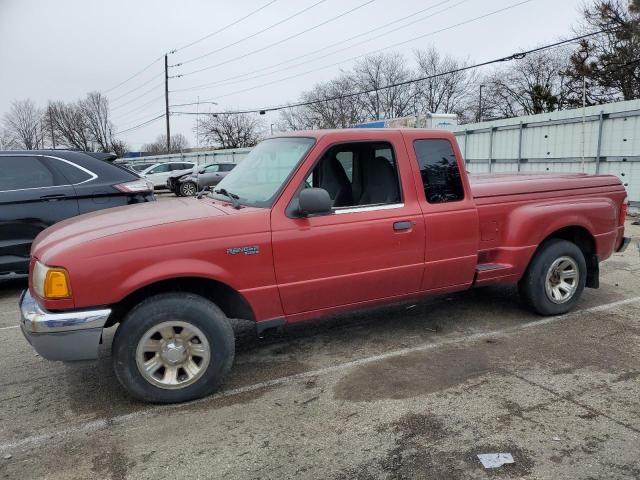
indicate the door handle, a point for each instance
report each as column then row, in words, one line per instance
column 55, row 196
column 403, row 225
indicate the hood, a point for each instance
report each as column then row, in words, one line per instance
column 179, row 173
column 116, row 221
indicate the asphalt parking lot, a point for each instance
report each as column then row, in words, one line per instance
column 408, row 391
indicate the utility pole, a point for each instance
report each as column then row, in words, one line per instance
column 53, row 137
column 166, row 100
column 198, row 122
column 480, row 105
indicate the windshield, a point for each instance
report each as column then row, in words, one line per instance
column 259, row 177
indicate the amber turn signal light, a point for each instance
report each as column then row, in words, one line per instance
column 56, row 284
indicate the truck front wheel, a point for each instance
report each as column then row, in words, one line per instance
column 555, row 278
column 173, row 347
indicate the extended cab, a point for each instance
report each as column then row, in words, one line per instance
column 310, row 224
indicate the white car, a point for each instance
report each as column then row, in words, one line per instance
column 158, row 173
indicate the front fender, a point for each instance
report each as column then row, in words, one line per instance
column 173, row 268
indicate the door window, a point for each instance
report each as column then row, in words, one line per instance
column 19, row 173
column 439, row 170
column 358, row 174
column 165, row 167
column 212, row 168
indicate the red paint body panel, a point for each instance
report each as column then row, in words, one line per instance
column 309, row 267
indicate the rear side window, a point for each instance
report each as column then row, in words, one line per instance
column 71, row 173
column 439, row 169
column 19, row 173
column 165, row 167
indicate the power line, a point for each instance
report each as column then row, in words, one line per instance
column 188, row 45
column 261, row 49
column 450, row 27
column 140, row 108
column 300, row 12
column 223, row 28
column 132, row 76
column 514, row 56
column 252, row 75
column 143, row 124
column 142, row 95
column 203, row 102
column 135, row 89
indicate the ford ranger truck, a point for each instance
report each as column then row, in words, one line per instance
column 310, row 224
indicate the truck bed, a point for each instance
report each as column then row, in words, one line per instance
column 487, row 188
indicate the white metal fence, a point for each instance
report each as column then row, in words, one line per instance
column 232, row 155
column 603, row 139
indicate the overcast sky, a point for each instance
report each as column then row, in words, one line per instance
column 62, row 49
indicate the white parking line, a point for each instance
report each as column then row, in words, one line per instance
column 95, row 425
column 8, row 328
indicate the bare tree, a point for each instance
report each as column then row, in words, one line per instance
column 374, row 72
column 7, row 142
column 328, row 107
column 178, row 142
column 95, row 110
column 340, row 103
column 23, row 124
column 69, row 124
column 119, row 147
column 534, row 84
column 444, row 92
column 230, row 130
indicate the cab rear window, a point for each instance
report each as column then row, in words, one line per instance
column 439, row 170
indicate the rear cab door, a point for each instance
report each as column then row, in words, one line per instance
column 370, row 246
column 450, row 214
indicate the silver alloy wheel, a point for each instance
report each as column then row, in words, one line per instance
column 173, row 354
column 562, row 279
column 189, row 189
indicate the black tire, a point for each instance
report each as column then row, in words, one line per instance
column 188, row 189
column 532, row 286
column 185, row 307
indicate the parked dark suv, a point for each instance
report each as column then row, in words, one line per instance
column 41, row 187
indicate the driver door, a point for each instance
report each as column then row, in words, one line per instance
column 370, row 247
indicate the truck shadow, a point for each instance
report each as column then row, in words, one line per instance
column 93, row 390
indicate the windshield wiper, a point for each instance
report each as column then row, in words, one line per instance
column 232, row 196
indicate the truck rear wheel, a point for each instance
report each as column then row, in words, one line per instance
column 555, row 278
column 173, row 347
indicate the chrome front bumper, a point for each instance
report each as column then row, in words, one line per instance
column 65, row 336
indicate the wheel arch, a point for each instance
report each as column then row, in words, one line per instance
column 229, row 300
column 584, row 240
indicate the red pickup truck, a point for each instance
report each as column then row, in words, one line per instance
column 310, row 224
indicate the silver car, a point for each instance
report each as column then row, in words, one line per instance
column 200, row 178
column 159, row 172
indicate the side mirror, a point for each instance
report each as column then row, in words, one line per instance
column 314, row 201
column 201, row 170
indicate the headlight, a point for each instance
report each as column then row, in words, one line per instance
column 184, row 177
column 50, row 282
